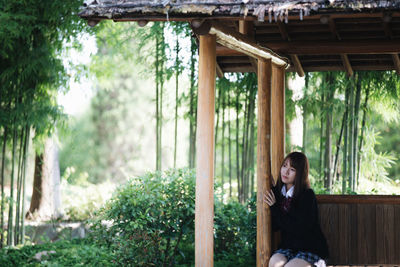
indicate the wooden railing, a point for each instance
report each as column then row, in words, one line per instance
column 361, row 229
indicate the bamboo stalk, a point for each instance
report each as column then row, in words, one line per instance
column 230, row 146
column 10, row 231
column 237, row 146
column 19, row 187
column 176, row 96
column 356, row 113
column 157, row 103
column 223, row 142
column 3, row 157
column 192, row 135
column 27, row 138
column 365, row 109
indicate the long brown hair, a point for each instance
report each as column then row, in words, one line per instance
column 298, row 161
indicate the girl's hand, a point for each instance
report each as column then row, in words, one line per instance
column 269, row 198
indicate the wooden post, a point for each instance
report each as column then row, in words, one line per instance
column 263, row 162
column 204, row 217
column 277, row 119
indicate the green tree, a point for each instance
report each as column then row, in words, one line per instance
column 32, row 36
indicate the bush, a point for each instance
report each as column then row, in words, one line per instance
column 78, row 252
column 150, row 222
column 235, row 233
column 148, row 218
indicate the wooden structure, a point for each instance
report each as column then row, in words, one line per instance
column 361, row 229
column 268, row 37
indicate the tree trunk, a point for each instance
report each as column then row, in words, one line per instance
column 350, row 137
column 19, row 187
column 46, row 195
column 355, row 137
column 250, row 140
column 237, row 146
column 223, row 142
column 158, row 160
column 328, row 133
column 252, row 158
column 192, row 108
column 321, row 135
column 3, row 157
column 244, row 150
column 339, row 141
column 28, row 130
column 229, row 144
column 365, row 109
column 10, row 231
column 161, row 93
column 307, row 78
column 346, row 135
column 217, row 111
column 176, row 97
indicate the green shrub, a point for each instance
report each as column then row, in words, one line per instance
column 150, row 222
column 78, row 252
column 148, row 217
column 235, row 233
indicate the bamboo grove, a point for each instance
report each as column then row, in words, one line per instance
column 338, row 133
column 32, row 34
column 335, row 109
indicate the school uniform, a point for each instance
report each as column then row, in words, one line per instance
column 297, row 219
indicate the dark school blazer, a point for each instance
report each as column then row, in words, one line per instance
column 300, row 228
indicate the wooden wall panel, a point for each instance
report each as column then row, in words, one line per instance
column 397, row 233
column 344, row 231
column 365, row 233
column 329, row 224
column 366, row 240
column 353, row 233
column 385, row 238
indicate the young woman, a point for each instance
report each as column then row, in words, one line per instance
column 295, row 213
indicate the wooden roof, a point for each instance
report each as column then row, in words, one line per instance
column 314, row 35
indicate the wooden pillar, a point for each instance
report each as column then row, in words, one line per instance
column 263, row 161
column 204, row 216
column 277, row 119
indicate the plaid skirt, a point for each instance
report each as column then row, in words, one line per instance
column 309, row 257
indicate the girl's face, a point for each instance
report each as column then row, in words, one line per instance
column 288, row 174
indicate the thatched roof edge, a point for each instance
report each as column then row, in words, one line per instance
column 117, row 9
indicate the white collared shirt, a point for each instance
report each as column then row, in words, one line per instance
column 288, row 193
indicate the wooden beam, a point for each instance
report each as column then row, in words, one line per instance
column 204, row 213
column 263, row 162
column 219, row 71
column 297, row 65
column 330, row 47
column 242, row 43
column 247, row 28
column 277, row 119
column 347, row 65
column 283, row 31
column 386, row 19
column 332, row 27
column 396, row 62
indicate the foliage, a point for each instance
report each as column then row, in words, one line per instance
column 78, row 252
column 235, row 233
column 148, row 216
column 82, row 200
column 32, row 36
column 375, row 164
column 150, row 221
